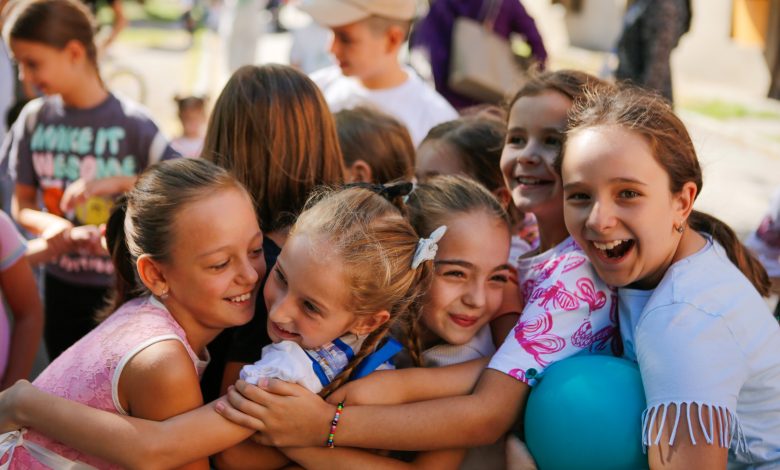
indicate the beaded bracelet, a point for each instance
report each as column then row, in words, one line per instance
column 333, row 424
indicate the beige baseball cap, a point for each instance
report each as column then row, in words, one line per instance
column 334, row 13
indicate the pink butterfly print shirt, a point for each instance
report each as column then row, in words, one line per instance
column 568, row 311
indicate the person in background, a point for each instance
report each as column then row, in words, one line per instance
column 376, row 147
column 367, row 37
column 433, row 35
column 18, row 341
column 193, row 117
column 651, row 30
column 764, row 242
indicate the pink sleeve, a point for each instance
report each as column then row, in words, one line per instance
column 12, row 244
column 569, row 312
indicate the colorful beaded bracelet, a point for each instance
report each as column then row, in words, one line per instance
column 333, row 424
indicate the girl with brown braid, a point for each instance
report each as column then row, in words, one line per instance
column 348, row 273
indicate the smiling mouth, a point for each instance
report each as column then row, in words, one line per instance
column 615, row 249
column 462, row 320
column 240, row 298
column 531, row 182
column 284, row 332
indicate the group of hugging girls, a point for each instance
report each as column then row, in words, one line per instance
column 397, row 318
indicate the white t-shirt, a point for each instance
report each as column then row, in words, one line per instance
column 568, row 310
column 418, row 106
column 705, row 336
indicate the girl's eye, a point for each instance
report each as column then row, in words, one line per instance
column 256, row 252
column 518, row 140
column 499, row 278
column 628, row 194
column 217, row 267
column 577, row 197
column 553, row 141
column 455, row 274
column 280, row 276
column 310, row 307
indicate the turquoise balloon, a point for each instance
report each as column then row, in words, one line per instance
column 586, row 413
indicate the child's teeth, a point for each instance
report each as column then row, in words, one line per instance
column 241, row 298
column 607, row 245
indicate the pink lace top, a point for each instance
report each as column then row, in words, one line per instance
column 568, row 310
column 89, row 371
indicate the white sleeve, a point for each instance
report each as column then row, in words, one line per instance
column 284, row 361
column 571, row 311
column 690, row 359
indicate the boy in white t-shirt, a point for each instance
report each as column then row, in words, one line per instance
column 367, row 35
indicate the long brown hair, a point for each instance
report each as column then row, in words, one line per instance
column 376, row 243
column 272, row 129
column 653, row 119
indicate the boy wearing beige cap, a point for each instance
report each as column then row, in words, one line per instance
column 367, row 35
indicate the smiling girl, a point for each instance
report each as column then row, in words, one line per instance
column 691, row 312
column 181, row 279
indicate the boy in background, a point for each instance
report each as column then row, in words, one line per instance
column 367, row 36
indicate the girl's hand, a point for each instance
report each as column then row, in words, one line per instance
column 9, row 404
column 57, row 237
column 76, row 193
column 86, row 239
column 284, row 414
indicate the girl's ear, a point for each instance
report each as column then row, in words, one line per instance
column 360, row 172
column 369, row 323
column 76, row 50
column 504, row 196
column 151, row 275
column 684, row 200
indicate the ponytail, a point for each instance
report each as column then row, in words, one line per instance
column 125, row 284
column 737, row 253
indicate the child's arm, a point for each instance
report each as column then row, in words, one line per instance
column 250, row 456
column 392, row 387
column 53, row 229
column 289, row 415
column 344, row 458
column 81, row 190
column 17, row 284
column 128, row 441
column 684, row 454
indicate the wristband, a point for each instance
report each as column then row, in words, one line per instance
column 333, row 424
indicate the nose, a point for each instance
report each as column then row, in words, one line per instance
column 600, row 218
column 529, row 155
column 281, row 311
column 475, row 296
column 334, row 45
column 247, row 274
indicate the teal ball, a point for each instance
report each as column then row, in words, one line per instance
column 586, row 413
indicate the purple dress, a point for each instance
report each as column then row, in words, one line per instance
column 434, row 34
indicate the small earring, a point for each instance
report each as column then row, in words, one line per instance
column 164, row 294
column 680, row 228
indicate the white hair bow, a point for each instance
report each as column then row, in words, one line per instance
column 426, row 247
